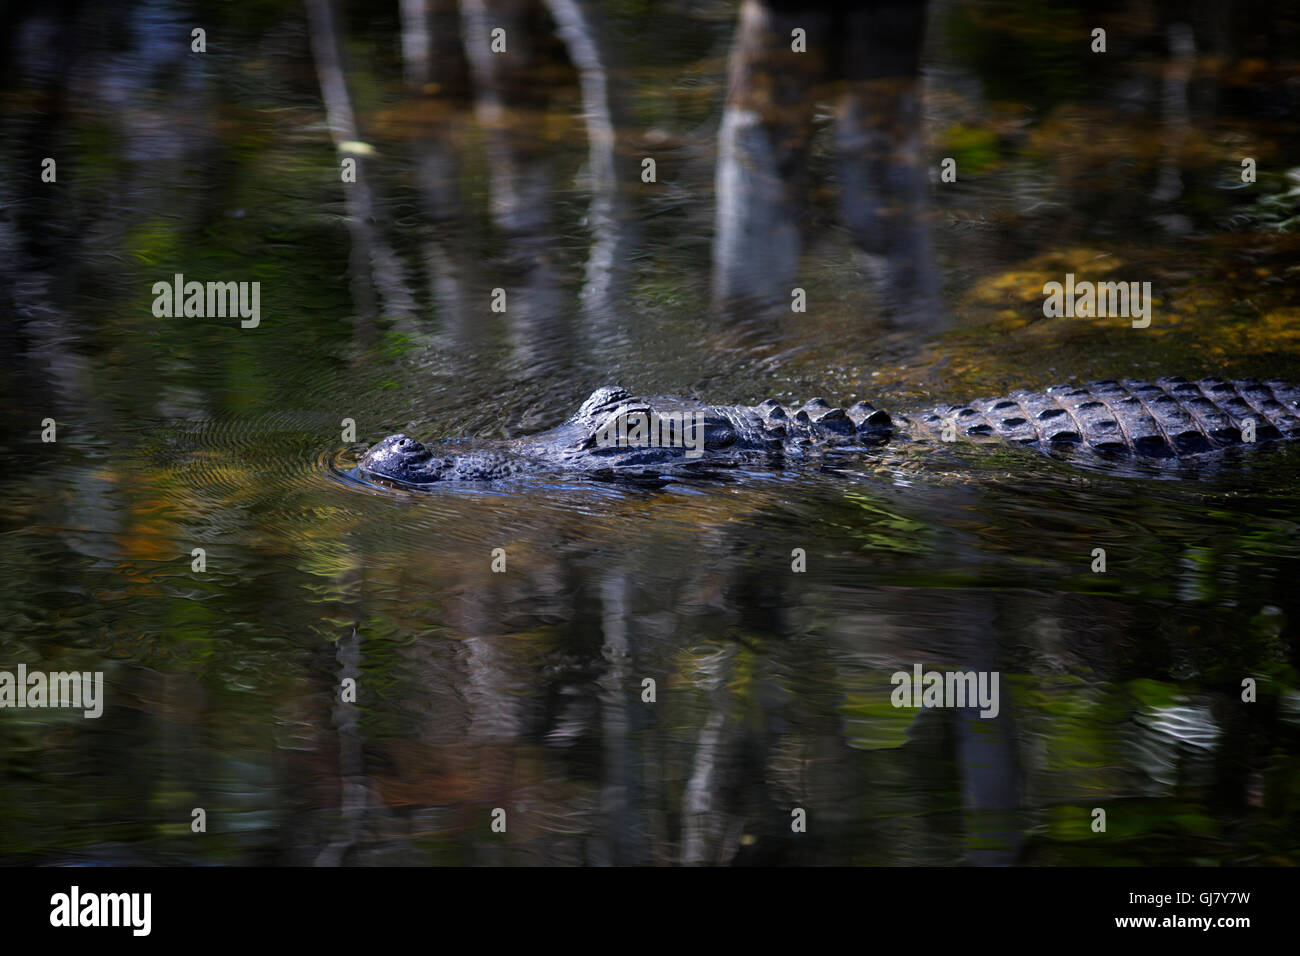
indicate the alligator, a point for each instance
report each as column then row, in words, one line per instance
column 616, row 435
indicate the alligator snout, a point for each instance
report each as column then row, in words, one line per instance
column 399, row 457
column 407, row 449
column 411, row 448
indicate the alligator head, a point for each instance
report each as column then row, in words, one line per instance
column 599, row 439
column 617, row 435
column 400, row 458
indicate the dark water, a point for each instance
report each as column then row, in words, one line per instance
column 523, row 689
